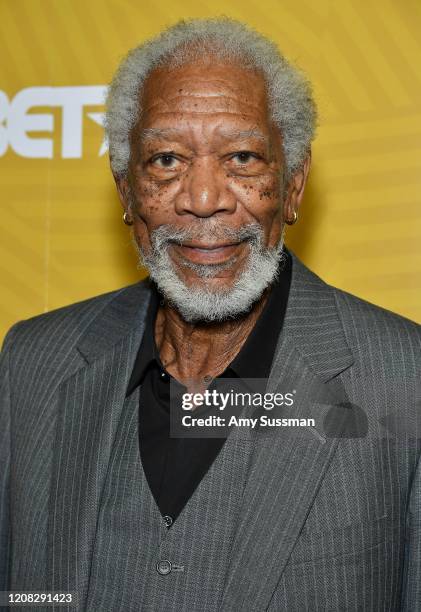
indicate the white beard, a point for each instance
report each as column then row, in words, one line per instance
column 208, row 304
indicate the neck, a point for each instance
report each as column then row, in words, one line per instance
column 200, row 352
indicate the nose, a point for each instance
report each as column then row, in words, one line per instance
column 205, row 191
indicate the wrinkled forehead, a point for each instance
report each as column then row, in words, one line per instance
column 205, row 87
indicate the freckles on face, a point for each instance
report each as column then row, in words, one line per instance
column 151, row 200
column 262, row 200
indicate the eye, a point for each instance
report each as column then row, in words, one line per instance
column 245, row 156
column 164, row 160
column 245, row 163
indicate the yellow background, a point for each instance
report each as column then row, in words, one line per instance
column 62, row 235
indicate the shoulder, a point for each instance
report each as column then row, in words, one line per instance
column 363, row 319
column 370, row 330
column 357, row 314
column 68, row 323
column 384, row 343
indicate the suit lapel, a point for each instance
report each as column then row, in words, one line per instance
column 89, row 407
column 288, row 464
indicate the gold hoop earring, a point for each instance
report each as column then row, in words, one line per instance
column 293, row 220
column 126, row 219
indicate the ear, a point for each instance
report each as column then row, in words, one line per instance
column 123, row 190
column 296, row 188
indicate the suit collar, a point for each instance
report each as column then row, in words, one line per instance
column 122, row 316
column 313, row 325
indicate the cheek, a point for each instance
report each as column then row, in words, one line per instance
column 260, row 196
column 262, row 201
column 154, row 206
column 154, row 202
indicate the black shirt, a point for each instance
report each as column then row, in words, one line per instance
column 175, row 466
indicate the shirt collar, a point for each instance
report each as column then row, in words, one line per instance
column 256, row 355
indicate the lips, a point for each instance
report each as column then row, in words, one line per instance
column 207, row 253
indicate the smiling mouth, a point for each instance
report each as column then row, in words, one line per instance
column 207, row 253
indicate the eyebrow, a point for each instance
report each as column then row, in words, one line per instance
column 168, row 133
column 239, row 134
column 150, row 133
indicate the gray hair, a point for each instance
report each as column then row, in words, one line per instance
column 291, row 103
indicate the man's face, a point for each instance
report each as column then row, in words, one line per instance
column 205, row 148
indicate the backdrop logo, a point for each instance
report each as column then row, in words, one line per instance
column 16, row 121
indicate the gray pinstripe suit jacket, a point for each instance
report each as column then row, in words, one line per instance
column 325, row 523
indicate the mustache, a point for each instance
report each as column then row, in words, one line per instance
column 167, row 234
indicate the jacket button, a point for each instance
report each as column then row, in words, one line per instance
column 163, row 567
column 168, row 520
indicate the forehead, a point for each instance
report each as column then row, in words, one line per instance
column 205, row 93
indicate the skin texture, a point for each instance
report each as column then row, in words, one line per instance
column 198, row 166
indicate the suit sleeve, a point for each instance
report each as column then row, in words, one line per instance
column 411, row 595
column 5, row 427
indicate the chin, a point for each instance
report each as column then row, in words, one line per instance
column 215, row 285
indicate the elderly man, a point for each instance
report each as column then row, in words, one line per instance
column 209, row 130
